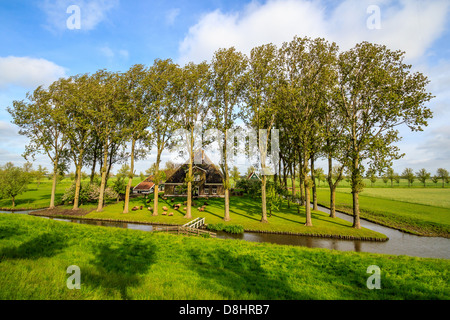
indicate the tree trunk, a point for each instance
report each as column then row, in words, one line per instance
column 103, row 183
column 189, row 184
column 314, row 190
column 55, row 172
column 77, row 186
column 301, row 181
column 293, row 181
column 332, row 188
column 156, row 188
column 130, row 178
column 13, row 202
column 356, row 222
column 355, row 191
column 332, row 202
column 307, row 203
column 263, row 198
column 227, row 206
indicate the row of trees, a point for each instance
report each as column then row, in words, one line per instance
column 422, row 175
column 343, row 106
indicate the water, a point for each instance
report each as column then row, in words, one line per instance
column 399, row 243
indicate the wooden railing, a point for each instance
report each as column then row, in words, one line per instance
column 196, row 223
column 183, row 230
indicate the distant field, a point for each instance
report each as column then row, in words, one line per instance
column 437, row 197
column 406, row 209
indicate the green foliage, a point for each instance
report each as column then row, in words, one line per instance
column 230, row 228
column 251, row 187
column 13, row 181
column 89, row 193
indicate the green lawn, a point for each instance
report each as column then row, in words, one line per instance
column 419, row 211
column 131, row 264
column 244, row 211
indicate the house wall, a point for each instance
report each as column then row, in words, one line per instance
column 170, row 191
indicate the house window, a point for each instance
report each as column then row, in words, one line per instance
column 214, row 190
column 175, row 190
column 206, row 190
column 197, row 177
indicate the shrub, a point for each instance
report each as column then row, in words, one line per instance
column 232, row 228
column 88, row 193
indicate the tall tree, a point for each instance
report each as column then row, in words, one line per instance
column 377, row 93
column 160, row 85
column 42, row 120
column 262, row 106
column 408, row 174
column 107, row 108
column 228, row 70
column 309, row 69
column 137, row 118
column 193, row 98
column 78, row 127
column 443, row 175
column 423, row 175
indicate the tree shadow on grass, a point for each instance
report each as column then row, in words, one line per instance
column 239, row 275
column 8, row 232
column 120, row 265
column 42, row 246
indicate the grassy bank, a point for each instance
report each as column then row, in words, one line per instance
column 422, row 211
column 244, row 211
column 130, row 264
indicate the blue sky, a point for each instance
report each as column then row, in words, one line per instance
column 37, row 47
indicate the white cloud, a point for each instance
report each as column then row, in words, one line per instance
column 171, row 15
column 92, row 13
column 109, row 53
column 411, row 26
column 28, row 72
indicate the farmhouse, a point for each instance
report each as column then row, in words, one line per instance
column 147, row 186
column 207, row 179
column 253, row 176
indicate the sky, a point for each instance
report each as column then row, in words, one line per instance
column 44, row 40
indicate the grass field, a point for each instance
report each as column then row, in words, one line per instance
column 131, row 264
column 419, row 211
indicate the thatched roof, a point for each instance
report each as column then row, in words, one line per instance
column 201, row 161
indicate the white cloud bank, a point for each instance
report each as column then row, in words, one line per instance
column 28, row 72
column 408, row 25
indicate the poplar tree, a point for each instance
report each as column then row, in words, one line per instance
column 376, row 93
column 308, row 65
column 262, row 105
column 193, row 102
column 41, row 119
column 137, row 117
column 228, row 68
column 159, row 85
